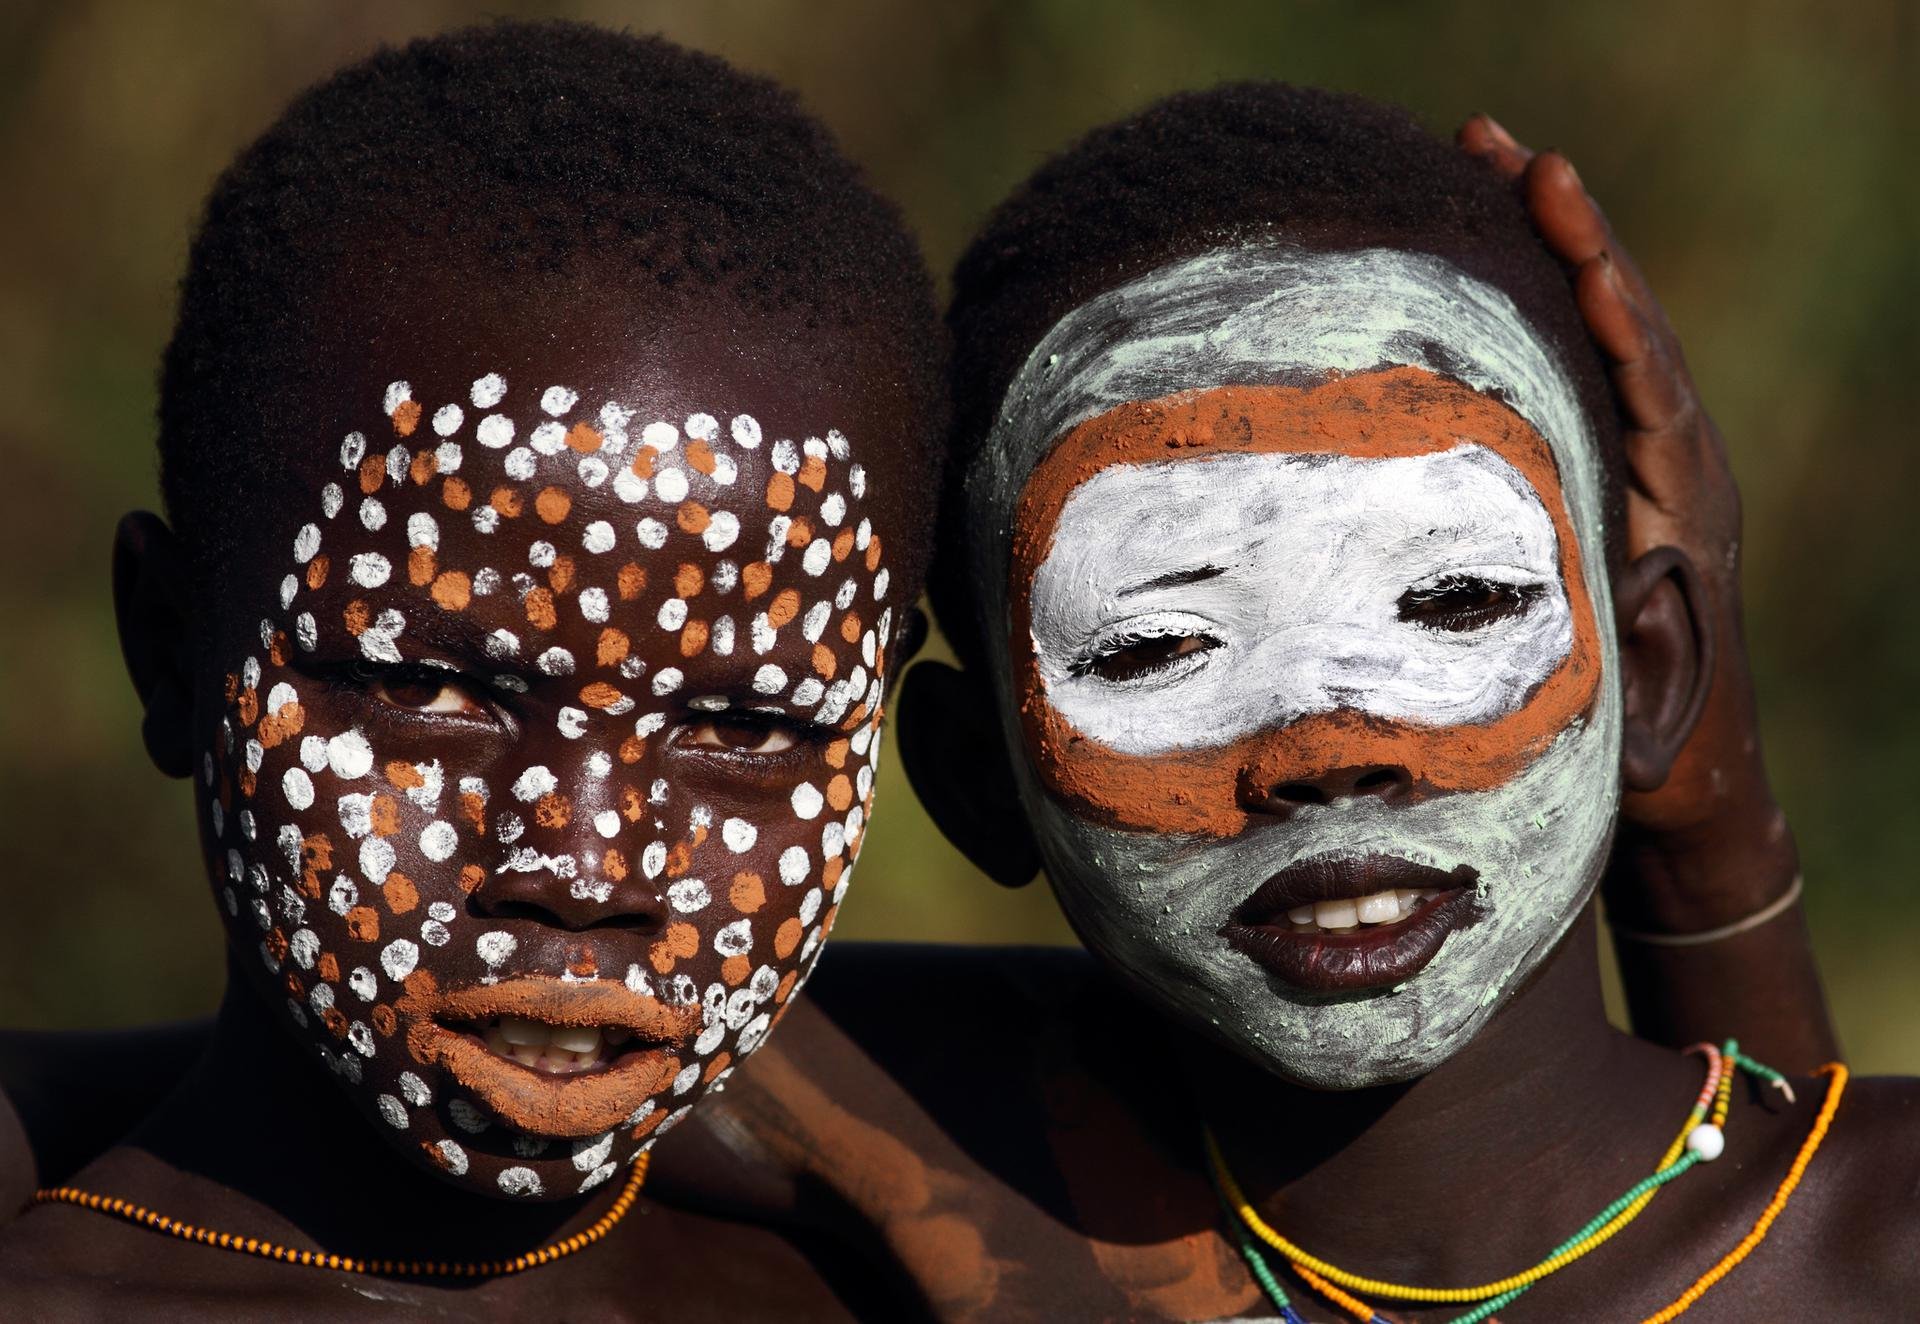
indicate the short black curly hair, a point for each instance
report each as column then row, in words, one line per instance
column 533, row 148
column 1238, row 162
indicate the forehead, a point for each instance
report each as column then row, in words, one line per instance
column 625, row 361
column 1200, row 462
column 664, row 352
column 1273, row 315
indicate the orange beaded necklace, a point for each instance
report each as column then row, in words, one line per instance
column 547, row 1254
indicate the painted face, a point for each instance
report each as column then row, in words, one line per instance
column 1309, row 647
column 543, row 786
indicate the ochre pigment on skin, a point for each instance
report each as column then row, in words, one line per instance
column 1396, row 412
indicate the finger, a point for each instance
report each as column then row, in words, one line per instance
column 1569, row 220
column 1483, row 136
column 1656, row 399
column 1613, row 319
column 1653, row 386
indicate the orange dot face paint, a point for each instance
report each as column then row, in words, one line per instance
column 519, row 847
column 1306, row 639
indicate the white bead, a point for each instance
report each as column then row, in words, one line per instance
column 1707, row 1141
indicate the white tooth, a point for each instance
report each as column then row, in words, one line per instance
column 576, row 1038
column 527, row 1054
column 1301, row 914
column 1380, row 908
column 498, row 1042
column 1306, row 927
column 519, row 1030
column 1409, row 900
column 1335, row 914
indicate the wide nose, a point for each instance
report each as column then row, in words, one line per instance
column 574, row 861
column 1263, row 793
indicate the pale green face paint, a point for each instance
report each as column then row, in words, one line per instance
column 1153, row 904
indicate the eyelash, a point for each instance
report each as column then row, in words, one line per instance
column 1462, row 603
column 805, row 737
column 365, row 678
column 1177, row 660
column 368, row 678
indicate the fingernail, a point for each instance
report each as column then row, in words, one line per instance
column 1499, row 131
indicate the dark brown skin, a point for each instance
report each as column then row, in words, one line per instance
column 1711, row 845
column 257, row 1139
column 1101, row 1212
column 1465, row 1175
column 932, row 1161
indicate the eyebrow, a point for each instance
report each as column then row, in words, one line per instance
column 452, row 632
column 1174, row 579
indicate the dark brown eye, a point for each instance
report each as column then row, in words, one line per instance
column 1135, row 659
column 418, row 690
column 739, row 736
column 1459, row 603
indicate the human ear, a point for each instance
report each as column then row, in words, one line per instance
column 1666, row 658
column 951, row 748
column 149, row 603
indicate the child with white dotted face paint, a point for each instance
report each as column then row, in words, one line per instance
column 525, row 630
column 535, row 796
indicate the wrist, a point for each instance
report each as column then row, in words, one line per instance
column 1703, row 876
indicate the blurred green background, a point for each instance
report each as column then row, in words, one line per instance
column 1757, row 158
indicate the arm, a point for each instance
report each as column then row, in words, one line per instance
column 1710, row 850
column 65, row 1097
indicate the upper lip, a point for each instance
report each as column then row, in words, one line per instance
column 559, row 1002
column 1344, row 877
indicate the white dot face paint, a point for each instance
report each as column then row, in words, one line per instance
column 1349, row 531
column 519, row 710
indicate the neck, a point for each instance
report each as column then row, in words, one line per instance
column 1542, row 1119
column 256, row 1123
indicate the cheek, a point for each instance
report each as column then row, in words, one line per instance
column 337, row 866
column 757, row 894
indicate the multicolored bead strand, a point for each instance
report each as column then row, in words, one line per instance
column 1701, row 1139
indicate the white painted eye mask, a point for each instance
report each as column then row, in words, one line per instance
column 1276, row 514
column 1302, row 582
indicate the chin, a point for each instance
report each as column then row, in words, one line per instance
column 500, row 1163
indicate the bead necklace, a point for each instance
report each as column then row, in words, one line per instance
column 1701, row 1140
column 557, row 1250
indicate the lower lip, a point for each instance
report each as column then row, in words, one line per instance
column 1373, row 957
column 583, row 1104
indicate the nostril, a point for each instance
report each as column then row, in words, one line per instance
column 1380, row 781
column 1300, row 793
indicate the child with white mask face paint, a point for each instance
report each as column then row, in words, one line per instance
column 1291, row 552
column 1320, row 535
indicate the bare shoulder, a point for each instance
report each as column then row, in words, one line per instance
column 1864, row 1185
column 1843, row 1239
column 900, row 1108
column 62, row 1263
column 923, row 1020
column 890, row 1048
column 67, row 1095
